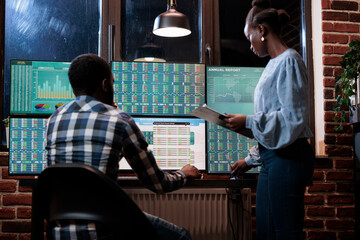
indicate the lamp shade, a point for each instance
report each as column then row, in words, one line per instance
column 149, row 52
column 171, row 24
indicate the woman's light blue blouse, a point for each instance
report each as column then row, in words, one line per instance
column 280, row 104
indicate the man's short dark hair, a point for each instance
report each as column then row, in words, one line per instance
column 86, row 72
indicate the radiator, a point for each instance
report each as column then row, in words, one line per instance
column 207, row 213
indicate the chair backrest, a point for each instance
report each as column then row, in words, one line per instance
column 80, row 192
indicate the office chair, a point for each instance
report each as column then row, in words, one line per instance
column 80, row 192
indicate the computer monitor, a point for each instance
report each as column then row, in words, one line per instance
column 27, row 154
column 229, row 90
column 171, row 89
column 39, row 87
column 174, row 142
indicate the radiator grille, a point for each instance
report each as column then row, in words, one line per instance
column 204, row 212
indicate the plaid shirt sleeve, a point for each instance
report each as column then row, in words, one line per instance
column 136, row 152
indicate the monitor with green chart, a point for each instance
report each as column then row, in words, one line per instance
column 229, row 90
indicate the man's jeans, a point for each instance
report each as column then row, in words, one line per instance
column 166, row 230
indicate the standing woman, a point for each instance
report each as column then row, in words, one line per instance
column 280, row 127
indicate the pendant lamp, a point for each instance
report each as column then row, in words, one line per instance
column 149, row 52
column 171, row 23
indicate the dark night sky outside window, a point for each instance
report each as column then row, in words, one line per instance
column 138, row 19
column 49, row 31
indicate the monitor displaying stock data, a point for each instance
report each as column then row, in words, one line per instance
column 39, row 87
column 27, row 154
column 229, row 90
column 163, row 89
column 174, row 142
column 159, row 95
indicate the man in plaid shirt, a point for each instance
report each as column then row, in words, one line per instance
column 92, row 130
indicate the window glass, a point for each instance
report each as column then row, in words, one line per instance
column 137, row 22
column 235, row 48
column 49, row 30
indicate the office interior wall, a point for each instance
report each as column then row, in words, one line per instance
column 318, row 78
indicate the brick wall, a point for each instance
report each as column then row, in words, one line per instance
column 330, row 201
column 15, row 205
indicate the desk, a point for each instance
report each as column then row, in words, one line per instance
column 198, row 183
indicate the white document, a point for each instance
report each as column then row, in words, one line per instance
column 210, row 115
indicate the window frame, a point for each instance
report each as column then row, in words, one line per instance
column 210, row 44
column 2, row 55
